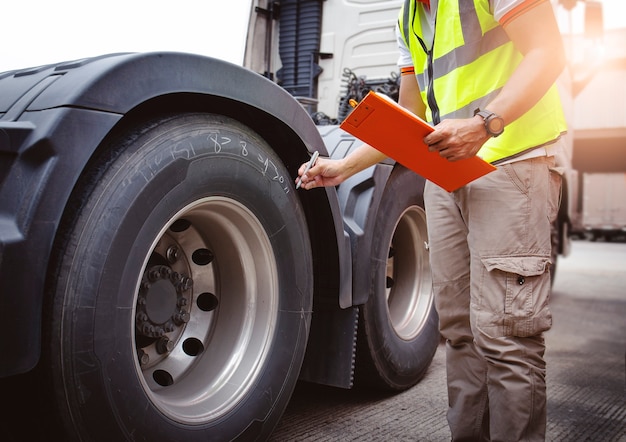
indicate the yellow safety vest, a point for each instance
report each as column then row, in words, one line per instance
column 470, row 61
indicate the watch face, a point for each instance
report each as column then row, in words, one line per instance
column 495, row 125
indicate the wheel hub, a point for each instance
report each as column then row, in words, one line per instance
column 223, row 310
column 162, row 300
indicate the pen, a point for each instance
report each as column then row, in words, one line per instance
column 310, row 164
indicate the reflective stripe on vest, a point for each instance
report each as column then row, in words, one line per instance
column 470, row 61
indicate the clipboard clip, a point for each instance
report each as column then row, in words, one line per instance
column 359, row 114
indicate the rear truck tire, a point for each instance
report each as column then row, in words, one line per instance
column 181, row 305
column 398, row 331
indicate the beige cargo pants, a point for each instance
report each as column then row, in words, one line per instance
column 490, row 253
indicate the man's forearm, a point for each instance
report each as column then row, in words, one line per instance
column 360, row 159
column 537, row 36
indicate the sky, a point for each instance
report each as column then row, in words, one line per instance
column 37, row 32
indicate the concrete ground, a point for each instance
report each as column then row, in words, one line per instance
column 586, row 377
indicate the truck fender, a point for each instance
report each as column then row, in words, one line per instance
column 54, row 118
column 388, row 336
column 331, row 352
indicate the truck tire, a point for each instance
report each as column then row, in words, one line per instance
column 398, row 326
column 182, row 290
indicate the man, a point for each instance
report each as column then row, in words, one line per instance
column 483, row 72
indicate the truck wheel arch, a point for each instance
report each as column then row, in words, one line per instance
column 116, row 92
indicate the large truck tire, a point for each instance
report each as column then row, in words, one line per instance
column 398, row 326
column 182, row 289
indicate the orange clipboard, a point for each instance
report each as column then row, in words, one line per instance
column 386, row 126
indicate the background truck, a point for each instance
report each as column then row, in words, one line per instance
column 594, row 98
column 604, row 205
column 160, row 276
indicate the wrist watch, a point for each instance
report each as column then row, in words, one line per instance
column 494, row 124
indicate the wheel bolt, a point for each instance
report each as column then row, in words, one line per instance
column 142, row 317
column 154, row 275
column 164, row 345
column 184, row 285
column 147, row 329
column 144, row 358
column 181, row 318
column 172, row 254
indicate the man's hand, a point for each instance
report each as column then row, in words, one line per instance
column 325, row 172
column 458, row 139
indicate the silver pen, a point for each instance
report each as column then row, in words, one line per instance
column 310, row 164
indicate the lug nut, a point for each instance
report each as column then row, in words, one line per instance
column 142, row 317
column 154, row 275
column 184, row 285
column 144, row 359
column 148, row 329
column 164, row 345
column 172, row 254
column 181, row 318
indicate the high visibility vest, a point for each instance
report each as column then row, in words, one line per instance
column 470, row 61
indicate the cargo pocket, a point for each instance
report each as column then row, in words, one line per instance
column 524, row 281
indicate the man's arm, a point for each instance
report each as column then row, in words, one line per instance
column 536, row 35
column 328, row 172
column 410, row 97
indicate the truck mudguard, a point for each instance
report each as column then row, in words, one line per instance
column 52, row 120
